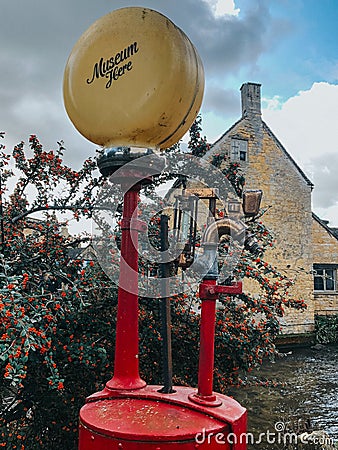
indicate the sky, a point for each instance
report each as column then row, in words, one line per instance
column 289, row 46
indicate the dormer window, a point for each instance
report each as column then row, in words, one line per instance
column 239, row 150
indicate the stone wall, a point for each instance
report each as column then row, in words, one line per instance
column 325, row 251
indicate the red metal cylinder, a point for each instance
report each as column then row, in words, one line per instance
column 126, row 367
column 146, row 419
column 207, row 343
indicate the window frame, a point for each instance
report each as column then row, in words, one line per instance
column 237, row 150
column 325, row 277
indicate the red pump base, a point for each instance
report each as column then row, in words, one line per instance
column 146, row 419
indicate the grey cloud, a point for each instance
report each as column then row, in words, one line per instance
column 222, row 101
column 231, row 43
column 49, row 29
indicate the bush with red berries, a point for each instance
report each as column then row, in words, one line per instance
column 58, row 309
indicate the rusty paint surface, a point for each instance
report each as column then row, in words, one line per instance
column 146, row 419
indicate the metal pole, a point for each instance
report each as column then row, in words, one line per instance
column 207, row 343
column 165, row 312
column 205, row 395
column 126, row 366
column 195, row 227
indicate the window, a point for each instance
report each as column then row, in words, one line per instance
column 239, row 150
column 325, row 278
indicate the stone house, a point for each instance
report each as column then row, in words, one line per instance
column 306, row 249
column 325, row 265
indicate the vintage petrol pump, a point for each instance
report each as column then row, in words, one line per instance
column 134, row 84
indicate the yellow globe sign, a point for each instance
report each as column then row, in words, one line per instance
column 133, row 79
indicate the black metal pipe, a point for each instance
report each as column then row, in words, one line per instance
column 165, row 311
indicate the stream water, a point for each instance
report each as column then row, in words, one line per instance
column 305, row 398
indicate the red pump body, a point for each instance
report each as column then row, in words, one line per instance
column 129, row 415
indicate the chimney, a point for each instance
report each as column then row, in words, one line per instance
column 251, row 99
